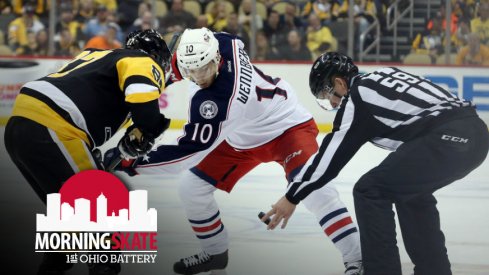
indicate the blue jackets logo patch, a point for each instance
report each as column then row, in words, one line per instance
column 208, row 109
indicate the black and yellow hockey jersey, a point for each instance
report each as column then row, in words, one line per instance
column 93, row 95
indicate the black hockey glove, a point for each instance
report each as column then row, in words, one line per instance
column 114, row 160
column 135, row 143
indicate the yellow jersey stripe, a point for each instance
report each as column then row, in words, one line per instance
column 139, row 67
column 38, row 111
column 79, row 153
column 142, row 97
column 62, row 100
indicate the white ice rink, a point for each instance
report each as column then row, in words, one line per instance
column 302, row 248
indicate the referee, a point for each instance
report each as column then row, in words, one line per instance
column 435, row 139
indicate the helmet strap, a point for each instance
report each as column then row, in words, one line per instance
column 337, row 95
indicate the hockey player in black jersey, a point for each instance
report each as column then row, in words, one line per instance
column 436, row 138
column 59, row 119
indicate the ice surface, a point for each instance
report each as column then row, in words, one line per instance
column 302, row 248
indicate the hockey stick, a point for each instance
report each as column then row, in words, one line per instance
column 171, row 47
column 113, row 164
column 173, row 41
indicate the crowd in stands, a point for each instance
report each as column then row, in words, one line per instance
column 285, row 30
column 469, row 28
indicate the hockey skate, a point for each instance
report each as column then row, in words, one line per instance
column 201, row 262
column 354, row 268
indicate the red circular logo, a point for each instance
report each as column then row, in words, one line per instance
column 90, row 184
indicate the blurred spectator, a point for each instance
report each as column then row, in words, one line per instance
column 432, row 41
column 143, row 10
column 326, row 10
column 454, row 23
column 42, row 41
column 364, row 14
column 480, row 24
column 236, row 4
column 462, row 33
column 263, row 50
column 217, row 18
column 41, row 7
column 295, row 49
column 441, row 15
column 107, row 40
column 20, row 27
column 319, row 38
column 245, row 17
column 4, row 49
column 114, row 18
column 128, row 11
column 177, row 19
column 290, row 18
column 233, row 27
column 66, row 46
column 202, row 21
column 462, row 8
column 99, row 24
column 380, row 9
column 144, row 22
column 5, row 7
column 37, row 44
column 31, row 46
column 274, row 30
column 111, row 5
column 269, row 3
column 67, row 21
column 474, row 53
column 86, row 12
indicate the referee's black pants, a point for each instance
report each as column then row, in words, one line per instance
column 407, row 178
column 45, row 158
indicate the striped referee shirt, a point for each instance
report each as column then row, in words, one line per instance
column 387, row 108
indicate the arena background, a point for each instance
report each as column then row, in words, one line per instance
column 302, row 248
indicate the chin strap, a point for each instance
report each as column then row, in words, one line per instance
column 337, row 95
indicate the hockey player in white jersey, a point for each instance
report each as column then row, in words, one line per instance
column 239, row 117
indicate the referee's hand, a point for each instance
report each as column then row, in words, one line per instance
column 280, row 213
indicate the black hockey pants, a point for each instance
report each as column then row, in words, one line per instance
column 45, row 160
column 407, row 178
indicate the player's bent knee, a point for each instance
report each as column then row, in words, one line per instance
column 191, row 187
column 366, row 188
column 185, row 186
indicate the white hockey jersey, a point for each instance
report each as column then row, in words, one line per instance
column 243, row 106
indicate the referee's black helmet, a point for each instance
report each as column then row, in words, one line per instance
column 326, row 66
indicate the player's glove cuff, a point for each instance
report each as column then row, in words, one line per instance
column 125, row 165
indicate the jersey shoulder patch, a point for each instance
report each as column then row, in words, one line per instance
column 208, row 109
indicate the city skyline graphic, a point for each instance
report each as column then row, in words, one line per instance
column 64, row 217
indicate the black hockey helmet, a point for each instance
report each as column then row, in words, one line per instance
column 326, row 66
column 150, row 42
